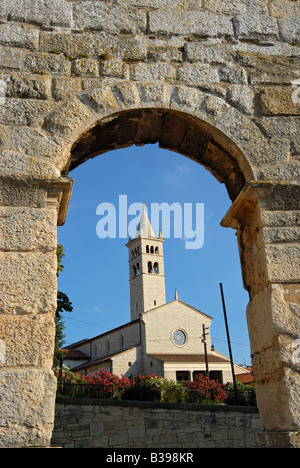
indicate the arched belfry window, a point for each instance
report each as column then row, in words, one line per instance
column 156, row 250
column 151, row 249
column 155, row 268
column 150, row 270
column 137, row 269
column 134, row 270
column 147, row 248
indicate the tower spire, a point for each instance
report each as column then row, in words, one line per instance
column 144, row 228
column 146, row 269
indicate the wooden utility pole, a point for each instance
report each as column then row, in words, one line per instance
column 228, row 339
column 205, row 348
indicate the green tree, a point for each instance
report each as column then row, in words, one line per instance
column 63, row 305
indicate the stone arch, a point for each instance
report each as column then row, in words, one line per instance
column 228, row 144
column 75, row 70
column 210, row 131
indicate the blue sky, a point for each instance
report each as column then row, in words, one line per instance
column 95, row 275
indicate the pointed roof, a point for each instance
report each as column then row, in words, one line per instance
column 144, row 228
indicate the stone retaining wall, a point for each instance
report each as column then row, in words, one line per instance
column 89, row 423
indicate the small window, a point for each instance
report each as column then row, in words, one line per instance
column 129, row 364
column 154, row 302
column 137, row 269
column 121, row 341
column 156, row 250
column 150, row 267
column 147, row 248
column 182, row 376
column 155, row 267
column 107, row 345
column 134, row 270
column 152, row 249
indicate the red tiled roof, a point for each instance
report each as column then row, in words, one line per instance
column 245, row 378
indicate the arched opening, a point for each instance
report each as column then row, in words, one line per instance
column 94, row 179
column 173, row 130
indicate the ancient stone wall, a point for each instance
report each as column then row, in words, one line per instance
column 215, row 80
column 124, row 424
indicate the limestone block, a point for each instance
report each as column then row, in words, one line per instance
column 5, row 139
column 268, row 316
column 19, row 35
column 27, row 341
column 23, row 111
column 272, row 151
column 100, row 100
column 241, row 97
column 152, row 71
column 32, row 277
column 42, row 12
column 29, row 141
column 114, row 67
column 255, row 27
column 216, row 53
column 201, row 23
column 165, row 50
column 65, row 88
column 127, row 94
column 280, row 127
column 25, row 229
column 282, row 8
column 277, row 406
column 20, row 193
column 233, row 74
column 11, row 58
column 37, row 87
column 186, row 98
column 85, row 67
column 199, row 75
column 27, row 407
column 235, row 7
column 290, row 29
column 17, row 165
column 47, row 64
column 96, row 15
column 277, row 101
column 154, row 94
column 68, row 119
column 283, row 262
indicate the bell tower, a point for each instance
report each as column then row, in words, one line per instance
column 146, row 269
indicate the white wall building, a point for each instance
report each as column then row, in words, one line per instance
column 161, row 338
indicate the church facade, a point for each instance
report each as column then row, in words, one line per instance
column 168, row 339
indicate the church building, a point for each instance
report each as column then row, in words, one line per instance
column 168, row 339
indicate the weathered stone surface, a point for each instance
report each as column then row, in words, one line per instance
column 27, row 407
column 200, row 23
column 43, row 12
column 32, row 277
column 37, row 87
column 19, row 35
column 25, row 229
column 278, row 101
column 217, row 81
column 96, row 15
column 27, row 342
column 40, row 64
column 68, row 119
column 255, row 26
column 290, row 29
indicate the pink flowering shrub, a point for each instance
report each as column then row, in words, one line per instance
column 204, row 390
column 104, row 384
